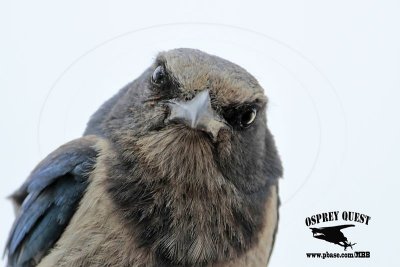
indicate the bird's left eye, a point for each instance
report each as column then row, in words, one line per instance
column 159, row 76
column 248, row 117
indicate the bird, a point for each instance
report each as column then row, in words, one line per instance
column 178, row 168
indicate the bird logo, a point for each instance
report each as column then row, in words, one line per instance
column 333, row 234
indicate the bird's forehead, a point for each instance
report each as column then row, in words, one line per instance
column 195, row 70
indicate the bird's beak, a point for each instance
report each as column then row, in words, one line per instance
column 197, row 114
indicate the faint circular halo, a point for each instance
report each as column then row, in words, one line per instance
column 243, row 46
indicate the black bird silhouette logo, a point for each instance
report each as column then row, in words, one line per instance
column 333, row 234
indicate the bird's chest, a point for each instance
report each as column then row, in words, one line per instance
column 96, row 237
column 140, row 222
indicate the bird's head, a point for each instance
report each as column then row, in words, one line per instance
column 195, row 110
column 197, row 152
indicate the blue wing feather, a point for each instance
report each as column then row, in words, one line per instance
column 48, row 200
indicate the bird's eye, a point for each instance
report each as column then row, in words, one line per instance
column 159, row 76
column 248, row 117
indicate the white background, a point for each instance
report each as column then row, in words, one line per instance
column 330, row 68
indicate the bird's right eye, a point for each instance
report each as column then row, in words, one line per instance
column 159, row 76
column 248, row 117
column 241, row 117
